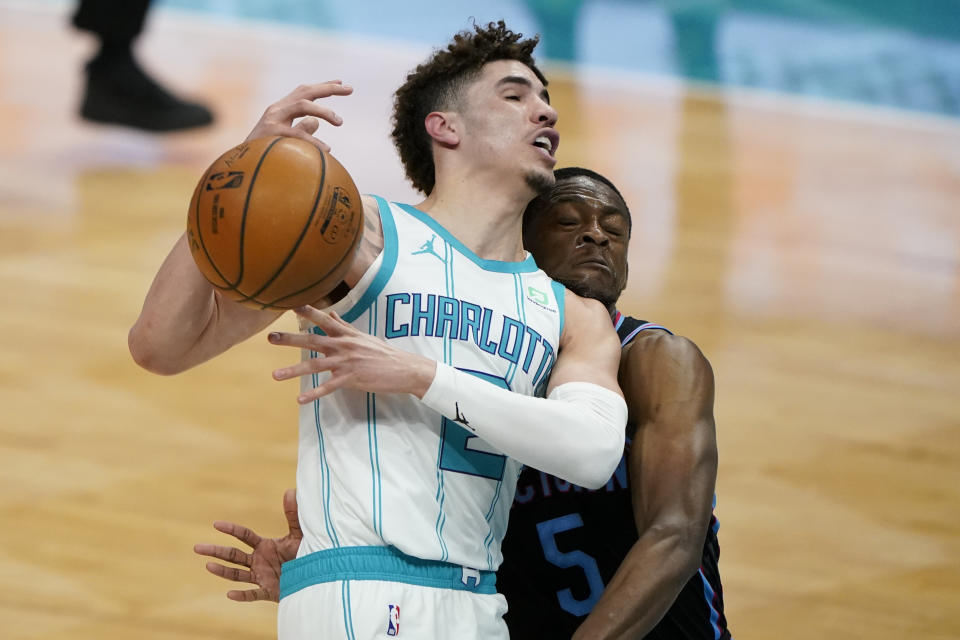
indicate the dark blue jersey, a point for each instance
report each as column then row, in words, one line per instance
column 564, row 543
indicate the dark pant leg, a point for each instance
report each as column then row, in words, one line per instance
column 112, row 20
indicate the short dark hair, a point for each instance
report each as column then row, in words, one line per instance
column 438, row 84
column 568, row 173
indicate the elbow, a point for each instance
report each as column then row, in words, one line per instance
column 682, row 545
column 690, row 555
column 147, row 355
column 605, row 456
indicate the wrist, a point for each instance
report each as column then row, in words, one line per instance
column 422, row 376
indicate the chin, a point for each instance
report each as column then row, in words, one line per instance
column 587, row 289
column 540, row 181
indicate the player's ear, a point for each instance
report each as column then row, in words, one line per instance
column 443, row 127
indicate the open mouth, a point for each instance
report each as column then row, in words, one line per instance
column 544, row 143
column 548, row 141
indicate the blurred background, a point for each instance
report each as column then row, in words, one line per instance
column 793, row 169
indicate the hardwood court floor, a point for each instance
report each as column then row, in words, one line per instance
column 811, row 250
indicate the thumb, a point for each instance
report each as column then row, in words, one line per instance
column 291, row 512
column 308, row 124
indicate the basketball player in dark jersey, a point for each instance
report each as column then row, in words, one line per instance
column 637, row 558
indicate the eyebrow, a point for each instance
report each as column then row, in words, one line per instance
column 606, row 210
column 525, row 82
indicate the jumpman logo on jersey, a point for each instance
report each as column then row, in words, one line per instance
column 462, row 419
column 427, row 247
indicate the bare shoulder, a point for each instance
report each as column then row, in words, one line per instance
column 371, row 208
column 658, row 368
column 654, row 349
column 371, row 242
column 372, row 227
column 589, row 348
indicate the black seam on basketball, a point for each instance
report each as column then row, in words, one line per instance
column 243, row 219
column 303, row 233
column 346, row 255
column 203, row 181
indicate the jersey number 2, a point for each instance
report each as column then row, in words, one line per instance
column 548, row 531
column 458, row 455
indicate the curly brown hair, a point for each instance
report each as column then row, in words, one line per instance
column 438, row 84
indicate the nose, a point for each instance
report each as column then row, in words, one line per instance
column 594, row 234
column 546, row 115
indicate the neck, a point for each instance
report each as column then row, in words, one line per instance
column 485, row 217
column 612, row 310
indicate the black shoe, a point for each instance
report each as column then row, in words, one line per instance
column 119, row 92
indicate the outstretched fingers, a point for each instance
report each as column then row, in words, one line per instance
column 231, row 573
column 332, row 384
column 279, row 117
column 317, row 90
column 329, row 322
column 249, row 595
column 311, row 341
column 288, row 112
column 228, row 554
column 238, row 531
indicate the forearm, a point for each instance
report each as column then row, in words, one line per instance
column 645, row 586
column 576, row 434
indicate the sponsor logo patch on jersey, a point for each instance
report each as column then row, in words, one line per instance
column 393, row 621
column 540, row 299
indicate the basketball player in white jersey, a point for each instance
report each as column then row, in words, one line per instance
column 423, row 380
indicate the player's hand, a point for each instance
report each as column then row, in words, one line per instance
column 355, row 360
column 263, row 565
column 278, row 119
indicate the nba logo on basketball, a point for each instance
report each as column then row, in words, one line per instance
column 393, row 624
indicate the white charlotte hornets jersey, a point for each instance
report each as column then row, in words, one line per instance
column 384, row 469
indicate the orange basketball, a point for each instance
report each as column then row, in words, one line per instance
column 274, row 223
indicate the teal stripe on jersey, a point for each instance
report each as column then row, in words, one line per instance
column 527, row 266
column 347, row 613
column 372, row 443
column 441, row 495
column 374, row 464
column 491, row 534
column 518, row 298
column 560, row 294
column 448, row 335
column 387, row 265
column 324, row 467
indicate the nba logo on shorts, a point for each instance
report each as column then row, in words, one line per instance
column 393, row 624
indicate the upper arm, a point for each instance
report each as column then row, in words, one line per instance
column 589, row 349
column 185, row 322
column 669, row 388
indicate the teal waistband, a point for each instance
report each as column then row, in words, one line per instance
column 384, row 564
